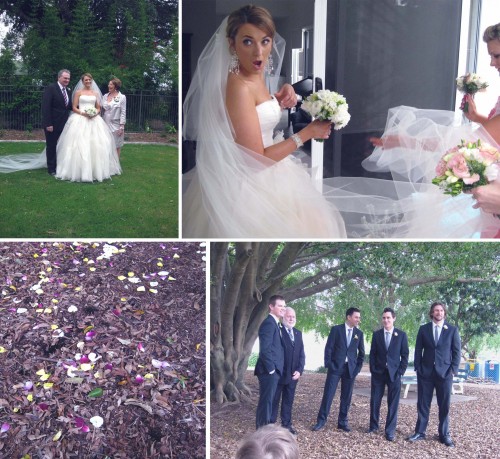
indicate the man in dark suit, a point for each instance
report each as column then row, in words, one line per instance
column 269, row 366
column 295, row 360
column 56, row 107
column 388, row 361
column 344, row 353
column 437, row 358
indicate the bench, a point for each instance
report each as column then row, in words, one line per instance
column 457, row 386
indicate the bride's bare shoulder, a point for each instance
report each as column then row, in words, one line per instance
column 238, row 89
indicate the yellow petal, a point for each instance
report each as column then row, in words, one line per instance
column 55, row 301
column 57, row 436
column 121, row 277
column 40, row 372
column 131, row 274
column 13, row 288
column 2, row 350
column 39, row 310
column 39, row 291
column 123, row 299
column 171, row 278
column 148, row 376
column 160, row 264
column 141, row 289
column 198, row 346
column 54, row 327
column 30, row 397
column 49, row 269
column 85, row 259
column 86, row 366
column 35, row 256
column 153, row 290
column 45, row 377
column 48, row 385
column 47, row 311
column 176, row 256
column 77, row 289
column 92, row 269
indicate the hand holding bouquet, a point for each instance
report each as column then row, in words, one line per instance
column 467, row 166
column 470, row 83
column 326, row 105
column 90, row 112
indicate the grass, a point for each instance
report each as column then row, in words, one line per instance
column 140, row 203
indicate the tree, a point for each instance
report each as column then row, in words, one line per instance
column 321, row 280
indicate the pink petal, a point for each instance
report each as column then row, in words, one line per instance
column 84, row 359
column 85, row 428
column 4, row 428
column 43, row 406
column 140, row 347
column 79, row 422
column 139, row 379
column 108, row 366
column 28, row 385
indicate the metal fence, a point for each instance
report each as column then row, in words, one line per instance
column 20, row 109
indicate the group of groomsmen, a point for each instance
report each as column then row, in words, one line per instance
column 281, row 363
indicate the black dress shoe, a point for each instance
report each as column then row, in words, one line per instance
column 318, row 426
column 344, row 428
column 372, row 430
column 291, row 429
column 52, row 173
column 447, row 441
column 389, row 437
column 416, row 437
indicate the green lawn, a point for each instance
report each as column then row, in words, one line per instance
column 140, row 203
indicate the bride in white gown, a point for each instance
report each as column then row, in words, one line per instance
column 244, row 184
column 86, row 150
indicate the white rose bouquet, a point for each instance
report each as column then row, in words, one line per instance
column 91, row 111
column 470, row 83
column 326, row 105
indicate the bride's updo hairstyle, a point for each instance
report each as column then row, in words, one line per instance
column 86, row 75
column 250, row 14
column 492, row 33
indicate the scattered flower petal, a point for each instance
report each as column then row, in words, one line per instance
column 108, row 366
column 96, row 421
column 5, row 427
column 21, row 310
column 139, row 379
column 159, row 364
column 148, row 376
column 30, row 397
column 141, row 289
column 140, row 347
column 72, row 308
column 48, row 385
column 28, row 385
column 89, row 335
column 2, row 350
column 80, row 345
column 176, row 256
column 124, row 341
column 131, row 274
column 86, row 366
column 163, row 273
column 43, row 406
column 57, row 436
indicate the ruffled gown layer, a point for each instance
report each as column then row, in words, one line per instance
column 253, row 196
column 86, row 150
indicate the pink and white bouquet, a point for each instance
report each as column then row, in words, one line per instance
column 326, row 105
column 467, row 166
column 470, row 83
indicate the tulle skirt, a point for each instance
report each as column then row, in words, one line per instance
column 86, row 151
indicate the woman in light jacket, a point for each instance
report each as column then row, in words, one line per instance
column 115, row 110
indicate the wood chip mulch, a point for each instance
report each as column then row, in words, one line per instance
column 473, row 425
column 93, row 330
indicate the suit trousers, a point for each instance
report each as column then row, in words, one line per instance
column 267, row 388
column 425, row 387
column 285, row 392
column 346, row 386
column 378, row 383
column 51, row 149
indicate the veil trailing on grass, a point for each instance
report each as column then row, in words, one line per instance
column 22, row 161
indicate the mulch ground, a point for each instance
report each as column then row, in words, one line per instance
column 473, row 425
column 112, row 331
column 139, row 137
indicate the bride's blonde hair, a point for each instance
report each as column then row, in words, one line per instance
column 86, row 75
column 250, row 14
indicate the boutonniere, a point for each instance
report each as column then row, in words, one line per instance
column 117, row 99
column 445, row 327
column 355, row 336
column 395, row 333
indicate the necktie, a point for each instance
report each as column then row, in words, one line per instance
column 65, row 96
column 349, row 331
column 436, row 335
column 387, row 339
column 290, row 333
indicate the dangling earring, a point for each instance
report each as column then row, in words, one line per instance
column 269, row 64
column 234, row 64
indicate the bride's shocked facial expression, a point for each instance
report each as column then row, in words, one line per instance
column 494, row 52
column 87, row 82
column 252, row 46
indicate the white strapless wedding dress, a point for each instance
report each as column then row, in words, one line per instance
column 86, row 150
column 273, row 200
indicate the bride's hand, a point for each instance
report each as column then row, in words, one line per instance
column 286, row 96
column 320, row 129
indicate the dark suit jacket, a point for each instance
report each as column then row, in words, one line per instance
column 445, row 356
column 336, row 351
column 395, row 359
column 54, row 111
column 295, row 358
column 271, row 353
